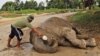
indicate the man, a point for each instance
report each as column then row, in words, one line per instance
column 16, row 29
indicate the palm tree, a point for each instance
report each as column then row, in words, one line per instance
column 17, row 2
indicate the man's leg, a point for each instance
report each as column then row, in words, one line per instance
column 9, row 40
column 18, row 44
column 11, row 35
column 19, row 38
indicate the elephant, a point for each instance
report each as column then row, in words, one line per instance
column 59, row 33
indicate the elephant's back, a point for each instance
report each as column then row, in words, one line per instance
column 55, row 21
column 54, row 25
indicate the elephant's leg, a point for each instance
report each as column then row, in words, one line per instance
column 82, row 37
column 71, row 36
column 64, row 42
column 91, row 42
column 41, row 46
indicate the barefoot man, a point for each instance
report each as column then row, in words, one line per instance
column 16, row 29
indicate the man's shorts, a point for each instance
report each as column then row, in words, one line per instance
column 16, row 32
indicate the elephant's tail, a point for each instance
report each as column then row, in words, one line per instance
column 77, row 32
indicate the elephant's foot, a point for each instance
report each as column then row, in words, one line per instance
column 82, row 44
column 91, row 42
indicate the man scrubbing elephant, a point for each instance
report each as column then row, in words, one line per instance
column 16, row 29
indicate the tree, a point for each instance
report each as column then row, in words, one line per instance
column 51, row 4
column 9, row 6
column 21, row 5
column 35, row 4
column 17, row 2
column 77, row 4
column 88, row 3
column 55, row 4
column 98, row 1
column 61, row 4
column 30, row 4
column 41, row 5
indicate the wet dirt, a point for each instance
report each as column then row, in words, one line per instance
column 27, row 47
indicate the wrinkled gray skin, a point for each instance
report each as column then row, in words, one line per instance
column 53, row 28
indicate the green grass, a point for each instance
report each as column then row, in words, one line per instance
column 87, row 18
column 90, row 21
column 30, row 11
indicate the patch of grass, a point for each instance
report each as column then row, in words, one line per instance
column 90, row 21
column 25, row 11
column 29, row 11
column 87, row 18
column 8, row 14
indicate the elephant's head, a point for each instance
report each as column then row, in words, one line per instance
column 43, row 46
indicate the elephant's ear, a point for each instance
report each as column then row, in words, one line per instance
column 32, row 36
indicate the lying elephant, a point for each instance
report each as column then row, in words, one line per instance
column 58, row 32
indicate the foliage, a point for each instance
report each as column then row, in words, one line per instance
column 30, row 5
column 17, row 5
column 87, row 17
column 30, row 11
column 41, row 6
column 9, row 6
column 98, row 1
column 60, row 4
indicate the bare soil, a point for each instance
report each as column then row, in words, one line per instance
column 28, row 51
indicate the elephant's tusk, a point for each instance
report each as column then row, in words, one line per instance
column 45, row 37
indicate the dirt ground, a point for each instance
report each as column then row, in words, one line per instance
column 62, row 51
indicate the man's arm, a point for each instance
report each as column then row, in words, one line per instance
column 33, row 29
column 38, row 32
